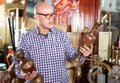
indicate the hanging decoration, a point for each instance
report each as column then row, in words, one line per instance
column 65, row 10
column 61, row 5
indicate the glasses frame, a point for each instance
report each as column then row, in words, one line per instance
column 48, row 16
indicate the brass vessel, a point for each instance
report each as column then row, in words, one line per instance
column 27, row 65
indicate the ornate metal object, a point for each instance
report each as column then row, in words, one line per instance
column 27, row 65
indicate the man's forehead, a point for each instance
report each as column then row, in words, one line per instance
column 46, row 10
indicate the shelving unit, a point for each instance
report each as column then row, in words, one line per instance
column 15, row 23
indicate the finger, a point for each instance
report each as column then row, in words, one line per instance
column 87, row 48
column 33, row 75
column 85, row 52
column 26, row 76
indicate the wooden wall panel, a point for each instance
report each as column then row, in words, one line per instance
column 2, row 2
column 88, row 12
column 88, row 15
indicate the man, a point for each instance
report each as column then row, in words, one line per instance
column 48, row 47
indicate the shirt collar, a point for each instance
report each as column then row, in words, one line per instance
column 52, row 30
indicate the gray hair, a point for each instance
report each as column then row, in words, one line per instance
column 36, row 7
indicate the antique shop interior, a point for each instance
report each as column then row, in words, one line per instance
column 78, row 18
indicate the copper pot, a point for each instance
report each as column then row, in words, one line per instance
column 27, row 65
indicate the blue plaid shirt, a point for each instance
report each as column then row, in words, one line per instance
column 48, row 53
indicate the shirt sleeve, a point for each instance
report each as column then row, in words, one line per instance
column 82, row 59
column 71, row 52
column 17, row 69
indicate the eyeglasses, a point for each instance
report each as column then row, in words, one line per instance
column 48, row 16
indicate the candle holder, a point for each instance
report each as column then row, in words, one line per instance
column 114, row 74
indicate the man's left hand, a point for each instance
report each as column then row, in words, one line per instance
column 86, row 50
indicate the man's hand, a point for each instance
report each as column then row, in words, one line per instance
column 30, row 76
column 86, row 50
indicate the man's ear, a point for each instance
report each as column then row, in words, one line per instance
column 36, row 18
